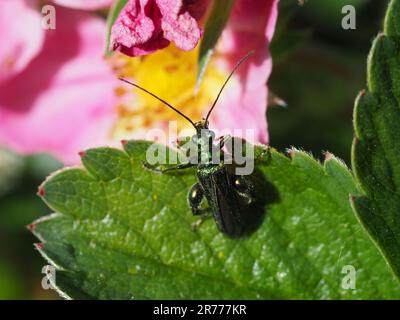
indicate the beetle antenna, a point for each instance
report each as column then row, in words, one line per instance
column 159, row 99
column 227, row 79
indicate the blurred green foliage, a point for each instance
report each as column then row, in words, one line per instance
column 318, row 70
column 20, row 265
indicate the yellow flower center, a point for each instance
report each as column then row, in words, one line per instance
column 170, row 74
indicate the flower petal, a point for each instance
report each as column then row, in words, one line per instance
column 250, row 28
column 178, row 25
column 137, row 30
column 85, row 4
column 67, row 92
column 19, row 43
column 145, row 26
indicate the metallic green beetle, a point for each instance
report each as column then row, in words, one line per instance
column 226, row 193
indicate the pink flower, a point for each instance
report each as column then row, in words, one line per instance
column 20, row 44
column 250, row 27
column 171, row 74
column 57, row 95
column 145, row 26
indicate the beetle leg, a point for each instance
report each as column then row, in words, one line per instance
column 203, row 217
column 178, row 167
column 195, row 197
column 223, row 140
column 259, row 156
column 241, row 146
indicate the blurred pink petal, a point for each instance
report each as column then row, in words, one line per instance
column 62, row 101
column 145, row 26
column 250, row 28
column 19, row 44
column 178, row 25
column 85, row 4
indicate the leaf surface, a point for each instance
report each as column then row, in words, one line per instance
column 124, row 232
column 376, row 148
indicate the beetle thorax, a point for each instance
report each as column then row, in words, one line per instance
column 205, row 139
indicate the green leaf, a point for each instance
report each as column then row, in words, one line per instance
column 376, row 148
column 112, row 16
column 124, row 232
column 392, row 22
column 214, row 26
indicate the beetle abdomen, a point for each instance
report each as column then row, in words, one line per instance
column 222, row 199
